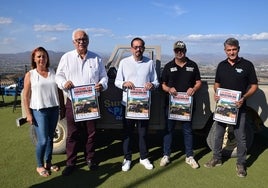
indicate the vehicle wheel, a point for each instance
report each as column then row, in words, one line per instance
column 229, row 148
column 60, row 136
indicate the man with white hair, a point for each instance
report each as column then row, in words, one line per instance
column 80, row 67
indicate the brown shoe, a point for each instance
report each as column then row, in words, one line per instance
column 212, row 163
column 241, row 171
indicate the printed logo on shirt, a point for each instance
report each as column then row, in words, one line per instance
column 239, row 70
column 190, row 69
column 173, row 69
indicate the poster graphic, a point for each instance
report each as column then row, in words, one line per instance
column 226, row 110
column 180, row 107
column 85, row 103
column 138, row 103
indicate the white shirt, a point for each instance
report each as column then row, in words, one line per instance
column 138, row 72
column 81, row 72
column 44, row 91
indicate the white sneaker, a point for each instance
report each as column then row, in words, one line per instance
column 126, row 165
column 147, row 164
column 164, row 161
column 190, row 160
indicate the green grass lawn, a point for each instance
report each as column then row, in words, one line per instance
column 17, row 163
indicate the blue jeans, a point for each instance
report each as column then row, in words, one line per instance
column 187, row 135
column 240, row 135
column 45, row 122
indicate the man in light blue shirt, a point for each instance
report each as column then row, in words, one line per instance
column 135, row 71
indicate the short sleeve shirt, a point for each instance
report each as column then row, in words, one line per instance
column 237, row 77
column 181, row 78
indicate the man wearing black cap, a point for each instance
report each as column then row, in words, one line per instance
column 180, row 75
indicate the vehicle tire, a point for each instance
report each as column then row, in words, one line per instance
column 229, row 148
column 60, row 136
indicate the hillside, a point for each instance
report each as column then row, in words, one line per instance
column 15, row 65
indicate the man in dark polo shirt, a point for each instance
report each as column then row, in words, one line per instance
column 180, row 75
column 234, row 73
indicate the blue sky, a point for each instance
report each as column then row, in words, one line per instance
column 202, row 25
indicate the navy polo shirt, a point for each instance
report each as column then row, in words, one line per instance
column 181, row 78
column 237, row 77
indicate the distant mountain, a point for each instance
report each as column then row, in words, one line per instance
column 214, row 59
column 18, row 62
column 25, row 57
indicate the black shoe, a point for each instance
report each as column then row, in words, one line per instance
column 68, row 170
column 91, row 165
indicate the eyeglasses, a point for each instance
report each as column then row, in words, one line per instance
column 138, row 47
column 177, row 50
column 81, row 40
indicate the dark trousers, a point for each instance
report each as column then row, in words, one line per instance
column 128, row 128
column 240, row 135
column 76, row 131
